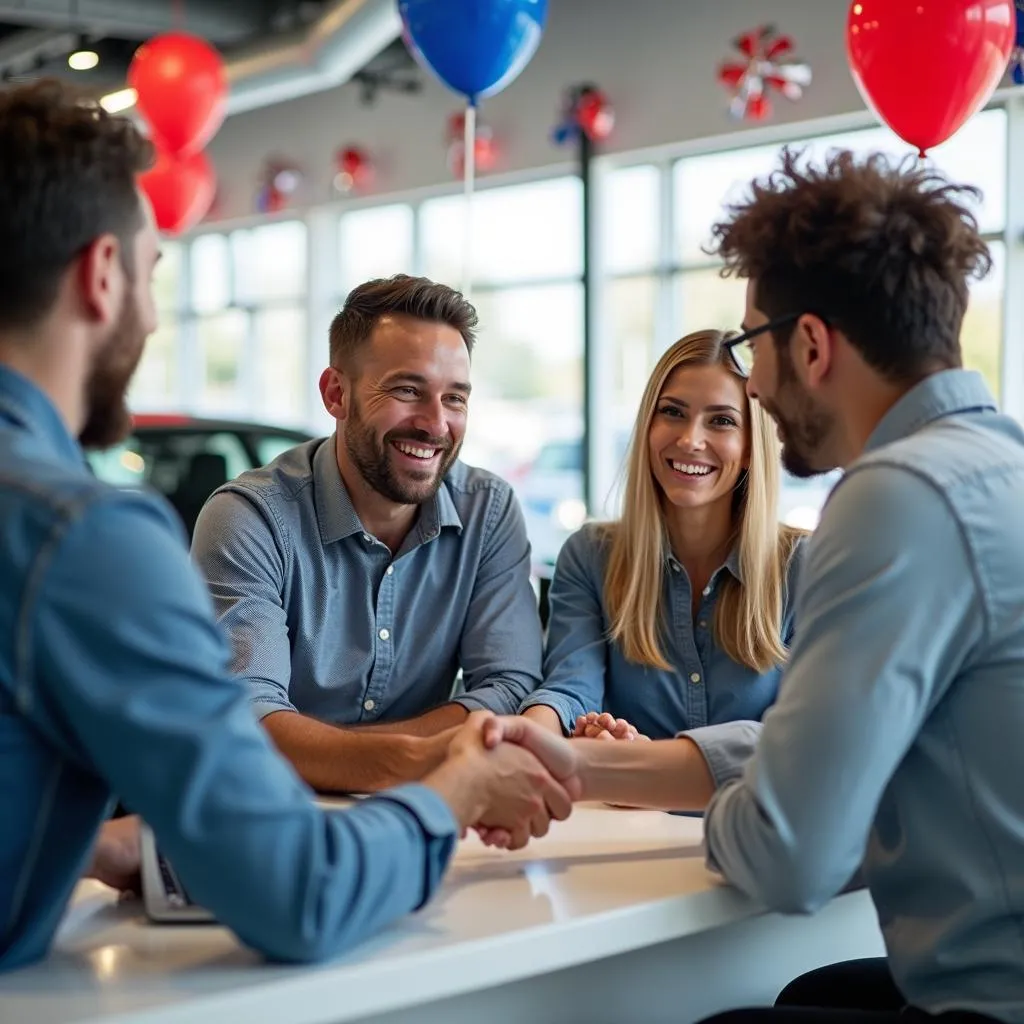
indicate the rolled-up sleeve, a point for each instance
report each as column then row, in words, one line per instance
column 883, row 625
column 726, row 747
column 500, row 647
column 244, row 563
column 577, row 650
column 135, row 671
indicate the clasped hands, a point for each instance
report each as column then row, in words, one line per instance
column 522, row 776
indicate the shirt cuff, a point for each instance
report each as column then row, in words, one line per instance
column 726, row 747
column 489, row 697
column 439, row 826
column 267, row 697
column 568, row 709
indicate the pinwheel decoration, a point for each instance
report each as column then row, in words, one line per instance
column 766, row 65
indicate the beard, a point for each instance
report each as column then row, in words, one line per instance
column 107, row 417
column 804, row 426
column 372, row 456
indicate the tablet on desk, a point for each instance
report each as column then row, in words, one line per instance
column 164, row 897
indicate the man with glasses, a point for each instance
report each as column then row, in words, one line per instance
column 895, row 744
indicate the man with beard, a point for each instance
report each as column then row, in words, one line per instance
column 895, row 744
column 357, row 575
column 113, row 673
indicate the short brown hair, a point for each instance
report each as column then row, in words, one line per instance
column 400, row 295
column 67, row 175
column 881, row 250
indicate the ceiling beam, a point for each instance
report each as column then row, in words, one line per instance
column 136, row 19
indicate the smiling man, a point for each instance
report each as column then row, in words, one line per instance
column 357, row 575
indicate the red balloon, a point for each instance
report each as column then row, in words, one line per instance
column 595, row 116
column 926, row 66
column 180, row 189
column 182, row 91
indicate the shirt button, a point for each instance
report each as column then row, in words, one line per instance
column 383, row 634
column 695, row 677
column 390, row 571
column 707, row 590
column 703, row 623
column 369, row 705
column 675, row 567
column 366, row 537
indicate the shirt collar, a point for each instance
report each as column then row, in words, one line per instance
column 31, row 409
column 940, row 394
column 337, row 516
column 732, row 563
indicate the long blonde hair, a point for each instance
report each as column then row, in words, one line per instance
column 747, row 614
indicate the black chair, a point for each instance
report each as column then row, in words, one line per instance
column 206, row 472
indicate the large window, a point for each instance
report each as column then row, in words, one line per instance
column 157, row 382
column 247, row 309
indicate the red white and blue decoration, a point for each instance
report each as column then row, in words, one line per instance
column 279, row 184
column 586, row 110
column 1017, row 57
column 485, row 148
column 353, row 169
column 766, row 65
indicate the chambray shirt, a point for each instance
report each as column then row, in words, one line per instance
column 715, row 701
column 113, row 680
column 897, row 736
column 325, row 621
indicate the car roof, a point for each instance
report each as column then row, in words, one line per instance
column 182, row 422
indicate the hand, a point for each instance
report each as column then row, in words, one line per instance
column 594, row 726
column 499, row 787
column 116, row 857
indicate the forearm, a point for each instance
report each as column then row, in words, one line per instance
column 348, row 760
column 545, row 717
column 668, row 774
column 438, row 719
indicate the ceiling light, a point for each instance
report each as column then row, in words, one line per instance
column 83, row 60
column 115, row 102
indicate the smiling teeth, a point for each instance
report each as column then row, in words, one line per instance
column 691, row 469
column 418, row 453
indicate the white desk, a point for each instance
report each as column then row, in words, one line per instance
column 610, row 919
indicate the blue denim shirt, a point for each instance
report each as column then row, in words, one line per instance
column 897, row 736
column 113, row 680
column 325, row 621
column 707, row 696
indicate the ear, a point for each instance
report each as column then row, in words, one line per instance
column 813, row 349
column 101, row 279
column 335, row 390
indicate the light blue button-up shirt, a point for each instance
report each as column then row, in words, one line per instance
column 715, row 701
column 324, row 620
column 113, row 679
column 896, row 740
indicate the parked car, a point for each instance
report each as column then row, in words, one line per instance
column 550, row 490
column 186, row 458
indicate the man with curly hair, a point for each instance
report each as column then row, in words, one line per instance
column 895, row 745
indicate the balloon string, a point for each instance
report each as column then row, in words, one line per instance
column 469, row 172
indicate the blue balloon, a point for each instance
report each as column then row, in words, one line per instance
column 476, row 47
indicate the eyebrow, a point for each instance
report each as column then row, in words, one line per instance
column 707, row 408
column 417, row 378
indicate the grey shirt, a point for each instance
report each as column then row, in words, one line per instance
column 325, row 621
column 896, row 739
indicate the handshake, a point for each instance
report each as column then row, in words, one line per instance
column 508, row 777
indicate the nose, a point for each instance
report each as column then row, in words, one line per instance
column 692, row 437
column 430, row 418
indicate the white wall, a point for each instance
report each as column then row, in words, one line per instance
column 656, row 59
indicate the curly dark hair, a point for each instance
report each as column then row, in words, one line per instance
column 882, row 250
column 67, row 175
column 402, row 295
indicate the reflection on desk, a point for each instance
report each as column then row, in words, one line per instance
column 601, row 901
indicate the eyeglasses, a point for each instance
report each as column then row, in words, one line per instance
column 742, row 351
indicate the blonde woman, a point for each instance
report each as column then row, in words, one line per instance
column 677, row 616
